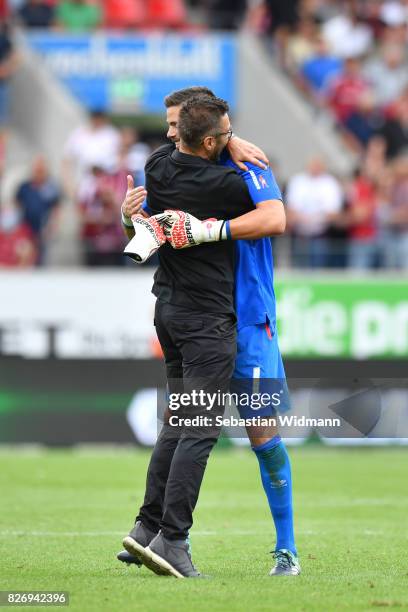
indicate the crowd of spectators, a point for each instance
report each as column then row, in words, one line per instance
column 8, row 65
column 87, row 15
column 347, row 58
column 350, row 59
column 360, row 223
column 96, row 161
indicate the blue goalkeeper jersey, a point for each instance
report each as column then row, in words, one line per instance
column 254, row 293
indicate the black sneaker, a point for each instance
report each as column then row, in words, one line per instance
column 169, row 558
column 137, row 540
column 129, row 559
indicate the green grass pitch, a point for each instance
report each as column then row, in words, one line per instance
column 63, row 515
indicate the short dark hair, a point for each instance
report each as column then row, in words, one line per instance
column 199, row 117
column 176, row 98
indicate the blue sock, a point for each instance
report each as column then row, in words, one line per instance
column 277, row 481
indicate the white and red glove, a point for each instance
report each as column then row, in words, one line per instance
column 148, row 238
column 183, row 230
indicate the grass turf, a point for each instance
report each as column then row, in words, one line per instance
column 63, row 514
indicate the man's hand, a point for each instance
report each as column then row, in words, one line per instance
column 148, row 238
column 242, row 151
column 183, row 230
column 132, row 204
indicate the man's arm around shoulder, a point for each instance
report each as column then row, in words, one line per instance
column 268, row 218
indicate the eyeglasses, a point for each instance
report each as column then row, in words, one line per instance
column 229, row 134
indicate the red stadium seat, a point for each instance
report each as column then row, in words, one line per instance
column 124, row 13
column 166, row 13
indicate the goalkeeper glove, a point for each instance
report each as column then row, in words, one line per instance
column 148, row 238
column 183, row 230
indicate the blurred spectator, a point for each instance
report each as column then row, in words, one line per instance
column 320, row 67
column 350, row 98
column 370, row 13
column 36, row 14
column 363, row 123
column 257, row 18
column 319, row 10
column 346, row 91
column 301, row 46
column 362, row 222
column 284, row 14
column 346, row 35
column 395, row 217
column 4, row 10
column 314, row 198
column 39, row 198
column 100, row 197
column 388, row 74
column 78, row 15
column 394, row 130
column 394, row 36
column 394, row 14
column 17, row 245
column 8, row 65
column 132, row 154
column 95, row 144
column 375, row 161
column 171, row 13
column 101, row 231
column 226, row 14
column 124, row 13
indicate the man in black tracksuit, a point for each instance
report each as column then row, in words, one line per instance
column 195, row 323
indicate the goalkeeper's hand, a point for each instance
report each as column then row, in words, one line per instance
column 183, row 230
column 148, row 238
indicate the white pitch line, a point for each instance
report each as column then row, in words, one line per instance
column 96, row 534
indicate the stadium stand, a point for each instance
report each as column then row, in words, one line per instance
column 340, row 66
column 123, row 14
column 350, row 58
column 78, row 15
column 36, row 14
column 164, row 14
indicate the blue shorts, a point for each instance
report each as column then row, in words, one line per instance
column 259, row 371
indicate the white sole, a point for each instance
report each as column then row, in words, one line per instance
column 158, row 565
column 133, row 547
column 291, row 574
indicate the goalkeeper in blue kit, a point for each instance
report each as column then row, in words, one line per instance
column 258, row 357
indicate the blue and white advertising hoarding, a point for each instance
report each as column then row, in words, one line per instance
column 131, row 74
